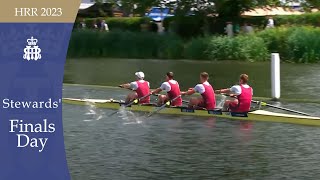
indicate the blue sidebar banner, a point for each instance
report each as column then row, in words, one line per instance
column 32, row 58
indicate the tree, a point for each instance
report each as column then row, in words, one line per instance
column 224, row 8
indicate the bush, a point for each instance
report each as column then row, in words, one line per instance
column 127, row 24
column 124, row 45
column 197, row 49
column 304, row 45
column 299, row 44
column 243, row 48
column 276, row 39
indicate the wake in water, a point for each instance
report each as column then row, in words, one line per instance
column 129, row 117
column 93, row 113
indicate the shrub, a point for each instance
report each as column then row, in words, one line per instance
column 124, row 45
column 276, row 39
column 243, row 48
column 304, row 45
column 299, row 44
column 197, row 48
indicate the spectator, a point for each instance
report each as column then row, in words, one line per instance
column 160, row 27
column 82, row 24
column 94, row 24
column 236, row 29
column 104, row 26
column 229, row 29
column 247, row 28
column 270, row 23
column 154, row 27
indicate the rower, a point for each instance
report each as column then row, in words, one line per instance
column 172, row 88
column 140, row 87
column 207, row 99
column 243, row 93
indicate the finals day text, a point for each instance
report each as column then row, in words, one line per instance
column 30, row 133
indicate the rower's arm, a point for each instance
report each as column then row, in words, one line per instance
column 156, row 91
column 226, row 91
column 126, row 86
column 189, row 92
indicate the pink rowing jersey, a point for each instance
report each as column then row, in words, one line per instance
column 173, row 93
column 244, row 100
column 143, row 90
column 208, row 97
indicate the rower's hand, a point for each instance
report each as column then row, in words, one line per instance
column 218, row 91
column 183, row 93
column 120, row 86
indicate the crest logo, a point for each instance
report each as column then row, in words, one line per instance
column 32, row 51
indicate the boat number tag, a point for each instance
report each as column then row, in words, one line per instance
column 235, row 114
column 215, row 112
column 187, row 110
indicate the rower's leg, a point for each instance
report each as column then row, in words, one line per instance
column 195, row 102
column 162, row 99
column 227, row 104
column 131, row 96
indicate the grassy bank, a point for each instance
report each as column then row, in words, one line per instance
column 298, row 44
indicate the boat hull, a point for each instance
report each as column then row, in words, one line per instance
column 257, row 115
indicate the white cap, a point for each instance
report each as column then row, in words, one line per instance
column 139, row 74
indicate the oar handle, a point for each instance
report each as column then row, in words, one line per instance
column 136, row 101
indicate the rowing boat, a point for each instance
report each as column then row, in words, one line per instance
column 255, row 115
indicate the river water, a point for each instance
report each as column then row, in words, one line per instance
column 129, row 146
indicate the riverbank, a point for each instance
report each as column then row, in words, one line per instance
column 295, row 44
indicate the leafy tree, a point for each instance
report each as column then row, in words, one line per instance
column 225, row 8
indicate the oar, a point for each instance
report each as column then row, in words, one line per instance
column 276, row 107
column 163, row 106
column 135, row 101
column 282, row 108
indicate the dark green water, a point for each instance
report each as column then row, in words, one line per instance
column 297, row 80
column 129, row 146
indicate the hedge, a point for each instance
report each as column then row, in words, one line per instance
column 126, row 44
column 299, row 44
